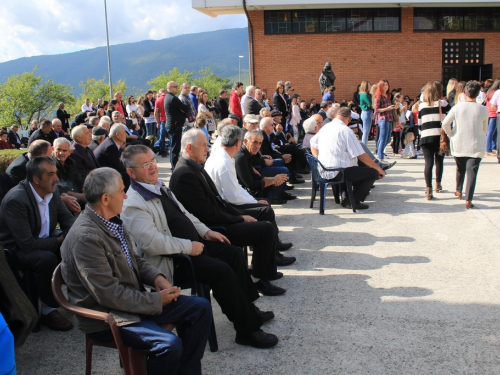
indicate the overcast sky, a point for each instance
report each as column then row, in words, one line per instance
column 48, row 27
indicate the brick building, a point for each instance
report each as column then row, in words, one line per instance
column 409, row 43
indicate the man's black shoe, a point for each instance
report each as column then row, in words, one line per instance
column 359, row 206
column 283, row 261
column 298, row 176
column 258, row 339
column 295, row 181
column 278, row 275
column 282, row 246
column 277, row 201
column 268, row 289
column 264, row 316
column 387, row 166
column 286, row 196
column 305, row 171
column 289, row 187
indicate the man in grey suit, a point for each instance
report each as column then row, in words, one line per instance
column 28, row 217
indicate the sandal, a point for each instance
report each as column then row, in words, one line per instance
column 468, row 204
column 459, row 195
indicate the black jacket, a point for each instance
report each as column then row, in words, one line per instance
column 13, row 138
column 63, row 116
column 252, row 106
column 246, row 176
column 176, row 112
column 84, row 162
column 267, row 149
column 148, row 108
column 224, row 108
column 16, row 171
column 38, row 134
column 108, row 155
column 194, row 188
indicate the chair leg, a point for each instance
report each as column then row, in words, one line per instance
column 88, row 356
column 322, row 195
column 351, row 195
column 336, row 193
column 212, row 335
column 313, row 193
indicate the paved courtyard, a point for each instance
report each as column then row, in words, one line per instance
column 408, row 286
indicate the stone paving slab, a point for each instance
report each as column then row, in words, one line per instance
column 408, row 286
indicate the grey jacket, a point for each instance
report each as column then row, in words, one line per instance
column 99, row 278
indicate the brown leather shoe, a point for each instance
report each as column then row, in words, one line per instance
column 56, row 322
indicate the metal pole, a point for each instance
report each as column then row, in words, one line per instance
column 239, row 66
column 109, row 55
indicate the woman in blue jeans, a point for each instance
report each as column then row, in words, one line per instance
column 384, row 116
column 365, row 103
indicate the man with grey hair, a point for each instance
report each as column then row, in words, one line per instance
column 109, row 152
column 63, row 116
column 185, row 98
column 249, row 103
column 160, row 225
column 29, row 215
column 331, row 113
column 193, row 95
column 80, row 151
column 197, row 192
column 14, row 138
column 69, row 185
column 311, row 126
column 103, row 273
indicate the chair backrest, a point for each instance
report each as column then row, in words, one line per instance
column 313, row 165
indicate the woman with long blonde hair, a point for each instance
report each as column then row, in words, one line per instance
column 451, row 90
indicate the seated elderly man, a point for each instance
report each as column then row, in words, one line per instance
column 132, row 139
column 221, row 169
column 29, row 215
column 80, row 151
column 197, row 192
column 251, row 104
column 160, row 225
column 69, row 182
column 102, row 273
column 57, row 128
column 109, row 152
column 16, row 171
column 99, row 134
column 44, row 132
column 311, row 126
column 14, row 138
column 336, row 146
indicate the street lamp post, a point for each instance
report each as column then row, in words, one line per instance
column 239, row 67
column 109, row 55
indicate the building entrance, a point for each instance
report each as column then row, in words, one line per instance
column 463, row 59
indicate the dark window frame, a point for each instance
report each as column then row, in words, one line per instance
column 438, row 17
column 346, row 14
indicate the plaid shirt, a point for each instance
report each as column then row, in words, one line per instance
column 380, row 103
column 118, row 231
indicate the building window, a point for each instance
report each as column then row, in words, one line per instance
column 456, row 19
column 332, row 20
column 278, row 22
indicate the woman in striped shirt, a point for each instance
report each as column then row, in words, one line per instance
column 384, row 116
column 429, row 121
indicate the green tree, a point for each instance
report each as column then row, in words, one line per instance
column 94, row 89
column 25, row 96
column 211, row 82
column 161, row 81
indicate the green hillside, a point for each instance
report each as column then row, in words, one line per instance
column 139, row 62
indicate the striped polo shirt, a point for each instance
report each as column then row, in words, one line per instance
column 429, row 121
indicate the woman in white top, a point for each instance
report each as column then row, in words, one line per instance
column 131, row 105
column 295, row 117
column 467, row 139
column 202, row 107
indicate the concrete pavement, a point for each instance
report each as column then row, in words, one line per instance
column 408, row 286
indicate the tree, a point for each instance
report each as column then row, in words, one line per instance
column 25, row 96
column 161, row 81
column 94, row 89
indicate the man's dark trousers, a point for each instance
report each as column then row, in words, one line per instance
column 362, row 179
column 222, row 267
column 175, row 135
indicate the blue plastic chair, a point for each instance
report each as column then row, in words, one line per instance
column 321, row 184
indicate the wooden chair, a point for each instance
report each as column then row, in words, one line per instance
column 321, row 184
column 133, row 362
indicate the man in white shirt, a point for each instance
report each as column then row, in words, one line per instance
column 336, row 146
column 86, row 106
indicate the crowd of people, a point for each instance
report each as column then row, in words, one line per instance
column 88, row 194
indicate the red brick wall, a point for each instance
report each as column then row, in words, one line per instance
column 407, row 59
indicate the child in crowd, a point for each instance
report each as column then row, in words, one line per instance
column 201, row 123
column 409, row 151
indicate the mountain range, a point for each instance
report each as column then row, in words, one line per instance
column 139, row 62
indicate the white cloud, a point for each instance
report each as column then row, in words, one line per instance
column 47, row 27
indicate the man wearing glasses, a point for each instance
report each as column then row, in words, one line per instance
column 176, row 112
column 336, row 146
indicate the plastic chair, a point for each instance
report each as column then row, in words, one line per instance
column 133, row 362
column 321, row 184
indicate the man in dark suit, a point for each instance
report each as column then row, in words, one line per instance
column 250, row 226
column 81, row 153
column 13, row 137
column 16, row 171
column 99, row 134
column 176, row 112
column 44, row 132
column 63, row 116
column 29, row 215
column 222, row 104
column 109, row 152
column 252, row 106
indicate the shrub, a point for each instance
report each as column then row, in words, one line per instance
column 7, row 156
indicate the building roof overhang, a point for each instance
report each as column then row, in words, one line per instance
column 214, row 8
